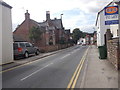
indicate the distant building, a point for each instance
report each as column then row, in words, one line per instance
column 95, row 38
column 6, row 40
column 67, row 34
column 52, row 34
column 88, row 39
column 102, row 28
column 81, row 41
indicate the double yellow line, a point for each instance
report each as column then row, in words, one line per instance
column 76, row 74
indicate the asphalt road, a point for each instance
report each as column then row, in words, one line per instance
column 54, row 71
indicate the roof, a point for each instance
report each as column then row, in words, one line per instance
column 57, row 23
column 43, row 24
column 100, row 12
column 34, row 22
column 52, row 23
column 5, row 4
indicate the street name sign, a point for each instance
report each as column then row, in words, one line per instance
column 111, row 15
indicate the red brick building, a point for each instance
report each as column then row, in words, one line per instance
column 53, row 30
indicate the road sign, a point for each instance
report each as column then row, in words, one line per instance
column 111, row 22
column 111, row 15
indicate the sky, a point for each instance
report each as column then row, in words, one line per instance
column 76, row 13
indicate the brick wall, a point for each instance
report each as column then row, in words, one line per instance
column 113, row 52
column 50, row 48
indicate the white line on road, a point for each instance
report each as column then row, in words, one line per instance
column 35, row 72
column 75, row 51
column 65, row 56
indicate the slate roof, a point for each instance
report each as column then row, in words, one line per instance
column 52, row 24
column 34, row 22
column 57, row 23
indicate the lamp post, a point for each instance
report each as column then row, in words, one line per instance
column 61, row 16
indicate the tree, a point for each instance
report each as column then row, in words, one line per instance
column 35, row 33
column 77, row 34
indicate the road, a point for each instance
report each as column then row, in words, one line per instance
column 54, row 71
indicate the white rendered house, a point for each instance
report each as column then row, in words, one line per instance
column 6, row 37
column 102, row 28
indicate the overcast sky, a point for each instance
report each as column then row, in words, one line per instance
column 76, row 13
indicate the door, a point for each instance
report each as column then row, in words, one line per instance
column 30, row 48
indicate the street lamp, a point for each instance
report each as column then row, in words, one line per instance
column 118, row 3
column 61, row 16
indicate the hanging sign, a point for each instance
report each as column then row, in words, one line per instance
column 111, row 15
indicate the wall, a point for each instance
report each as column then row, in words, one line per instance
column 50, row 48
column 113, row 53
column 23, row 30
column 101, row 29
column 7, row 38
column 114, row 29
column 0, row 34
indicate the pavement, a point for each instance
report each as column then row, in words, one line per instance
column 97, row 73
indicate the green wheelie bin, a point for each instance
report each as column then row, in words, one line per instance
column 102, row 52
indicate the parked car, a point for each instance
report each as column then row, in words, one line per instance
column 24, row 49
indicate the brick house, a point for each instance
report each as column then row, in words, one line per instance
column 95, row 38
column 52, row 34
column 67, row 34
column 88, row 39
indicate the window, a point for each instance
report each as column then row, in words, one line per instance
column 28, row 45
column 22, row 45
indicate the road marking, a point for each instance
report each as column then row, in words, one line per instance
column 23, row 64
column 75, row 51
column 84, row 74
column 35, row 72
column 65, row 56
column 27, row 63
column 76, row 74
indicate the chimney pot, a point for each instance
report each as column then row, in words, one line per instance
column 27, row 15
column 47, row 15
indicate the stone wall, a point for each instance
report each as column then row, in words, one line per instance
column 113, row 52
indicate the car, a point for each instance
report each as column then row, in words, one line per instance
column 24, row 49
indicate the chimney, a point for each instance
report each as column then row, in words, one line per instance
column 27, row 15
column 47, row 15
